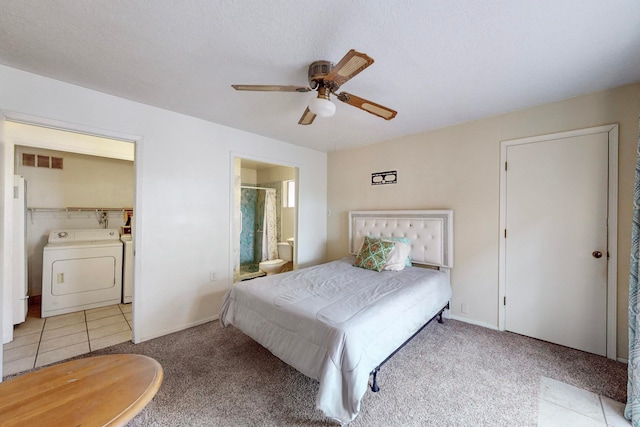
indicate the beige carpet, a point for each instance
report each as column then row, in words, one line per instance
column 451, row 374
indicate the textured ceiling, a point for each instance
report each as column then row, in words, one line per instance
column 437, row 62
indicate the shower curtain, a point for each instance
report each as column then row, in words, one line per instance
column 632, row 410
column 270, row 238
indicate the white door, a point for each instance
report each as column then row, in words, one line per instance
column 20, row 295
column 556, row 241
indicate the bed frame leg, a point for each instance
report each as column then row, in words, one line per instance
column 440, row 314
column 374, row 384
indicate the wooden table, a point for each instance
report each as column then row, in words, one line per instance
column 95, row 391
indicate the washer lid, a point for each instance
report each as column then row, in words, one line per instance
column 83, row 235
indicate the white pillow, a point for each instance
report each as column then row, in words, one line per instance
column 397, row 257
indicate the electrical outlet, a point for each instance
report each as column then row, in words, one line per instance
column 464, row 309
column 212, row 276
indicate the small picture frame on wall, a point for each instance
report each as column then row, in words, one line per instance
column 381, row 178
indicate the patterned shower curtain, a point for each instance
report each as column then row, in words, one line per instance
column 270, row 238
column 632, row 410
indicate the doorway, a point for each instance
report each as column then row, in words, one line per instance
column 558, row 242
column 75, row 181
column 264, row 217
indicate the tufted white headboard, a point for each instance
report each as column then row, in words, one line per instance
column 430, row 232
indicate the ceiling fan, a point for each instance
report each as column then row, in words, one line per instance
column 326, row 78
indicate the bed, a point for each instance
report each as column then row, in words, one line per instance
column 338, row 323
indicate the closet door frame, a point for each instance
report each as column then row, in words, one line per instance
column 612, row 238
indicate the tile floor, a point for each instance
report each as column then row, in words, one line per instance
column 38, row 342
column 563, row 405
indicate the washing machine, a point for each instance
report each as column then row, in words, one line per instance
column 81, row 269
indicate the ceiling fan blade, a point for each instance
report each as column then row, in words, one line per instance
column 272, row 88
column 352, row 63
column 368, row 106
column 307, row 117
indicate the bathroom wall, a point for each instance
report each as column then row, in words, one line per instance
column 249, row 176
column 273, row 178
column 84, row 181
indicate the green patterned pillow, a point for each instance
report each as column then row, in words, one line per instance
column 373, row 253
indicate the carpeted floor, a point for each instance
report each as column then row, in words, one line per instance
column 451, row 374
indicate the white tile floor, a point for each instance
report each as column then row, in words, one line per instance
column 563, row 405
column 38, row 342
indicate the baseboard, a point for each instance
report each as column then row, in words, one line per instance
column 474, row 322
column 486, row 325
column 178, row 329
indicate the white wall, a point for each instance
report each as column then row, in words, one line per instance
column 182, row 193
column 459, row 168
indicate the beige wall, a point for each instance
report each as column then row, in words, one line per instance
column 84, row 181
column 281, row 173
column 270, row 175
column 458, row 168
column 276, row 173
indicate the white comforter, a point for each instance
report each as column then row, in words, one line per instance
column 336, row 322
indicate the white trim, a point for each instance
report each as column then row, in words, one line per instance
column 612, row 243
column 5, row 240
column 6, row 234
column 612, row 233
column 137, row 186
column 28, row 119
column 474, row 322
column 179, row 328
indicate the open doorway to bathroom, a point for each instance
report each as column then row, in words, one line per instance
column 265, row 212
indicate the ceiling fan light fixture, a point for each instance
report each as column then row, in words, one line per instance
column 322, row 107
column 326, row 78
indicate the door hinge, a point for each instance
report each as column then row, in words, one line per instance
column 505, row 233
column 504, row 301
column 505, row 166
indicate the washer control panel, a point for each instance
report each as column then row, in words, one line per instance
column 83, row 235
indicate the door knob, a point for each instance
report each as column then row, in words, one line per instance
column 596, row 254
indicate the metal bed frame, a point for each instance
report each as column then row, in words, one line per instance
column 374, row 383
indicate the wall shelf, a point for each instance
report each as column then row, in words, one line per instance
column 79, row 209
column 76, row 210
